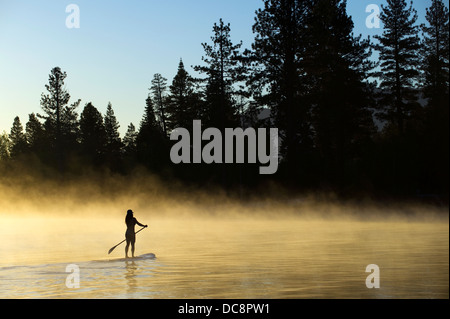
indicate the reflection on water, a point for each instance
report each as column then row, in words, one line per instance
column 130, row 276
column 226, row 258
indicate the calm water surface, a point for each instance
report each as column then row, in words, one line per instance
column 225, row 258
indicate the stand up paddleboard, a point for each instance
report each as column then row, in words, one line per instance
column 142, row 257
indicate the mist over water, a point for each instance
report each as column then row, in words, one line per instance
column 210, row 245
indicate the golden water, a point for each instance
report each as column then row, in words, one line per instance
column 259, row 257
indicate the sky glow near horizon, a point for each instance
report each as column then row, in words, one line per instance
column 118, row 48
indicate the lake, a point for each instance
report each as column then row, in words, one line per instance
column 224, row 257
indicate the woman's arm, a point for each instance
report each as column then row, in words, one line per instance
column 140, row 223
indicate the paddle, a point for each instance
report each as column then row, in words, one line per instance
column 112, row 249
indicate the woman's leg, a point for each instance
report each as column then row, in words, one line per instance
column 133, row 242
column 126, row 248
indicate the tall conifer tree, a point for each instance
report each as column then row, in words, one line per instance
column 35, row 134
column 17, row 138
column 113, row 142
column 183, row 102
column 61, row 119
column 435, row 65
column 223, row 70
column 336, row 65
column 399, row 55
column 93, row 134
column 151, row 141
column 276, row 72
column 436, row 51
column 158, row 89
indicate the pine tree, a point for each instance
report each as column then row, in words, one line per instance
column 158, row 88
column 70, row 129
column 436, row 52
column 129, row 148
column 336, row 65
column 35, row 134
column 54, row 102
column 183, row 103
column 129, row 140
column 61, row 119
column 223, row 70
column 92, row 133
column 149, row 120
column 435, row 65
column 5, row 146
column 399, row 55
column 112, row 129
column 276, row 71
column 113, row 142
column 151, row 141
column 17, row 138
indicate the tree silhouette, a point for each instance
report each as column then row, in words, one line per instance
column 5, row 146
column 183, row 103
column 436, row 51
column 113, row 142
column 158, row 88
column 151, row 141
column 54, row 102
column 93, row 135
column 222, row 71
column 399, row 47
column 35, row 135
column 61, row 119
column 276, row 73
column 129, row 148
column 17, row 138
column 336, row 65
column 129, row 140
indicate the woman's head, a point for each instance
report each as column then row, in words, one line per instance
column 129, row 216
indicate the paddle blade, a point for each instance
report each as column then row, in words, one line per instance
column 111, row 250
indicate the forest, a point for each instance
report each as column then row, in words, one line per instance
column 348, row 124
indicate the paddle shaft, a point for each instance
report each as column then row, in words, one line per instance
column 111, row 250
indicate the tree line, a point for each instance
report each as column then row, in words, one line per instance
column 346, row 122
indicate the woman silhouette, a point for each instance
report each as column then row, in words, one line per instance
column 130, row 235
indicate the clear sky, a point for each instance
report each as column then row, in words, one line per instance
column 118, row 48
